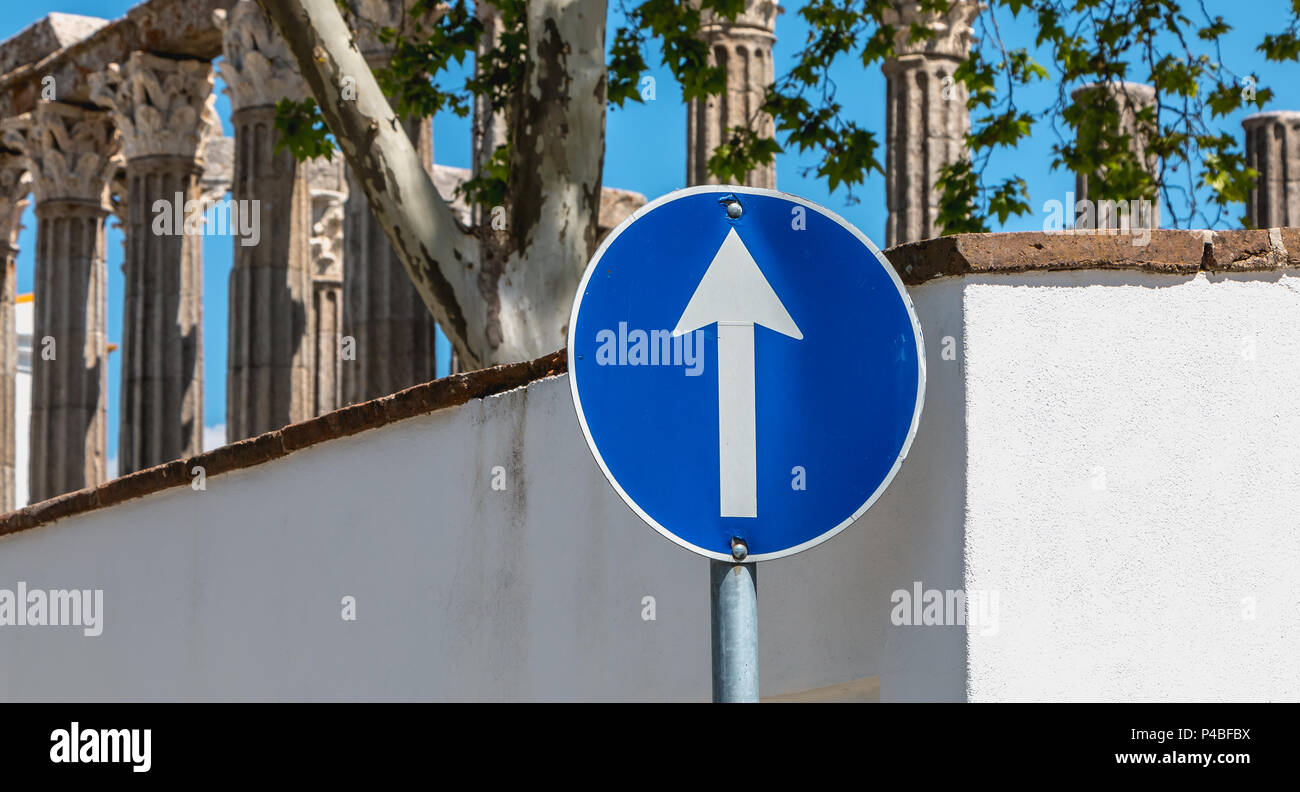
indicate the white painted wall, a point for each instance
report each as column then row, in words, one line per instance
column 468, row 593
column 1131, row 591
column 1133, row 464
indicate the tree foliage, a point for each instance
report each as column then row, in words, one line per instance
column 1160, row 42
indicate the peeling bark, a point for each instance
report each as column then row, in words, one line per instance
column 557, row 140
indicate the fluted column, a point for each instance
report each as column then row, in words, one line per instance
column 328, row 193
column 1129, row 99
column 926, row 120
column 743, row 48
column 71, row 153
column 162, row 108
column 392, row 330
column 269, row 351
column 1273, row 149
column 14, row 187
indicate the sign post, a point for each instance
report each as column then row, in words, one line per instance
column 749, row 373
column 733, row 616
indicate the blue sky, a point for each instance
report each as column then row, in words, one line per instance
column 645, row 151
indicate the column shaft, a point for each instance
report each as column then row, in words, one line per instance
column 71, row 154
column 14, row 188
column 162, row 320
column 8, row 373
column 69, row 420
column 390, row 325
column 163, row 108
column 327, row 312
column 926, row 123
column 1273, row 149
column 743, row 48
column 269, row 354
column 1128, row 99
column 926, row 120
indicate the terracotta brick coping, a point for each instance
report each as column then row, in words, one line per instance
column 1170, row 252
column 412, row 402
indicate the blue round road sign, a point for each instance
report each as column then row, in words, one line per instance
column 745, row 364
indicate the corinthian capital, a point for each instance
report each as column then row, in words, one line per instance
column 258, row 69
column 952, row 31
column 159, row 105
column 71, row 152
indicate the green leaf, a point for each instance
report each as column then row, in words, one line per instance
column 302, row 130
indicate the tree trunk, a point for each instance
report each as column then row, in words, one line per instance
column 505, row 295
column 557, row 148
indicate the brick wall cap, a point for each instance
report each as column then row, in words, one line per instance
column 409, row 403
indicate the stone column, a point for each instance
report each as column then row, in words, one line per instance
column 71, row 153
column 1129, row 98
column 269, row 351
column 162, row 108
column 328, row 193
column 926, row 120
column 743, row 48
column 14, row 187
column 1273, row 149
column 390, row 326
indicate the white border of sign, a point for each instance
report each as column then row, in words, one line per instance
column 880, row 258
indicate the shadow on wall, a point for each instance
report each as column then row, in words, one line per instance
column 846, row 610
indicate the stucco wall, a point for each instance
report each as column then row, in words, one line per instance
column 465, row 592
column 1133, row 493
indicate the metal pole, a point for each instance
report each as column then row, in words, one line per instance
column 733, row 596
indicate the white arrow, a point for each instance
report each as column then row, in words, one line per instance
column 734, row 294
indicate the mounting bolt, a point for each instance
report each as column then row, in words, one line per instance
column 739, row 550
column 734, row 210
